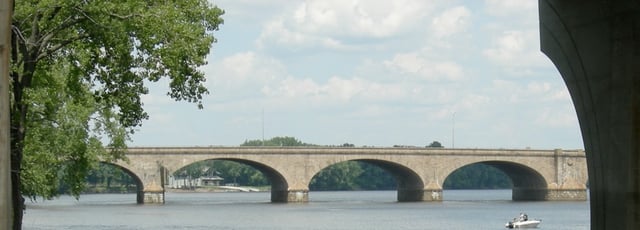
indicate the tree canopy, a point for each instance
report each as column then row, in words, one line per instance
column 435, row 144
column 276, row 141
column 78, row 70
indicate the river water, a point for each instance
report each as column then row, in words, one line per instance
column 461, row 209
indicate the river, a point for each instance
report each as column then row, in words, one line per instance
column 461, row 209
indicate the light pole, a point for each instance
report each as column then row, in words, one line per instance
column 262, row 126
column 453, row 130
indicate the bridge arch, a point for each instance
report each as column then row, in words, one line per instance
column 410, row 186
column 279, row 184
column 528, row 183
column 133, row 175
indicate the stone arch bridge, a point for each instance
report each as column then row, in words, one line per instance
column 420, row 172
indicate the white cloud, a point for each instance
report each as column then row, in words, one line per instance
column 251, row 10
column 539, row 87
column 292, row 88
column 516, row 9
column 359, row 18
column 275, row 30
column 241, row 70
column 378, row 72
column 540, row 92
column 516, row 49
column 335, row 91
column 327, row 23
column 557, row 117
column 451, row 21
column 507, row 47
column 416, row 64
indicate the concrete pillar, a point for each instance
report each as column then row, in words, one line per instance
column 568, row 185
column 595, row 45
column 6, row 212
column 152, row 193
column 290, row 196
column 549, row 194
column 431, row 192
column 528, row 194
column 150, row 197
column 298, row 196
column 566, row 194
column 420, row 195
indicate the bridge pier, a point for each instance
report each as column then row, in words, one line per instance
column 150, row 197
column 405, row 195
column 408, row 192
column 547, row 194
column 290, row 196
column 151, row 194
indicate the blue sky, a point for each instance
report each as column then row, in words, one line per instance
column 376, row 73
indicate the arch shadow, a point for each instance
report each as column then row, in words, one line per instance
column 528, row 184
column 278, row 183
column 137, row 181
column 410, row 186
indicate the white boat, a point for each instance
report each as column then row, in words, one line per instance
column 523, row 221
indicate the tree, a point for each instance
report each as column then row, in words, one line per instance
column 348, row 145
column 375, row 178
column 477, row 176
column 435, row 144
column 78, row 69
column 340, row 176
column 276, row 141
column 232, row 172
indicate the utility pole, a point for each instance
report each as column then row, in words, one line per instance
column 453, row 130
column 6, row 212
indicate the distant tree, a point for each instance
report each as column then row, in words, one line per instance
column 477, row 176
column 340, row 176
column 435, row 144
column 375, row 178
column 230, row 171
column 108, row 176
column 253, row 143
column 276, row 141
column 348, row 145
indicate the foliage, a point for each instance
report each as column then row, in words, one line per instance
column 78, row 70
column 477, row 176
column 276, row 141
column 352, row 175
column 60, row 144
column 348, row 145
column 435, row 144
column 340, row 176
column 107, row 178
column 230, row 171
column 375, row 178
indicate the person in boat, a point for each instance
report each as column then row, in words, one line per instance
column 523, row 217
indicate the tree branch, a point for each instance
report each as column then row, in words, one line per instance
column 68, row 22
column 59, row 46
column 123, row 17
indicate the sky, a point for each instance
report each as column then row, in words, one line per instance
column 468, row 74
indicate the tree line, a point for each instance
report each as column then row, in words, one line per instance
column 349, row 175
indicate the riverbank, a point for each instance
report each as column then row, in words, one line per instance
column 219, row 189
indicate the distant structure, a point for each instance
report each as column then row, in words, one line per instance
column 178, row 182
column 420, row 172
